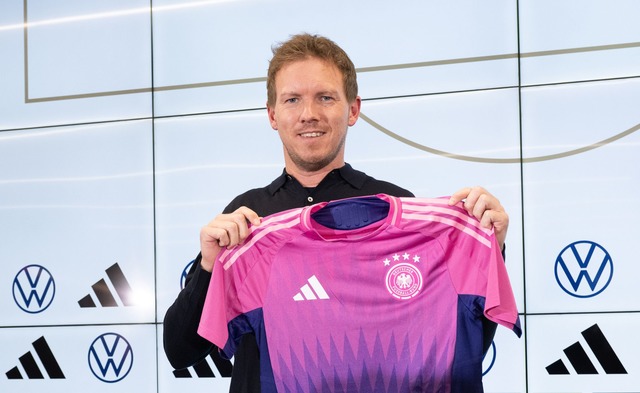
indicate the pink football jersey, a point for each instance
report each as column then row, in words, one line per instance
column 363, row 294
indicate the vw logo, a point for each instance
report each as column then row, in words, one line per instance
column 183, row 276
column 583, row 269
column 110, row 357
column 33, row 289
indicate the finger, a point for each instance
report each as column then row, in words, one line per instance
column 486, row 219
column 249, row 215
column 214, row 234
column 237, row 225
column 211, row 239
column 235, row 232
column 459, row 195
column 499, row 220
column 478, row 207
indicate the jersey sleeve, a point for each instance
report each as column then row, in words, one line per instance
column 235, row 290
column 477, row 268
column 213, row 321
column 500, row 304
column 239, row 281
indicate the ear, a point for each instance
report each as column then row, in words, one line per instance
column 354, row 111
column 272, row 117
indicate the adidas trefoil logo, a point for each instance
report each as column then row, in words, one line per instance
column 312, row 290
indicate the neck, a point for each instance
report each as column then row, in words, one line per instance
column 310, row 179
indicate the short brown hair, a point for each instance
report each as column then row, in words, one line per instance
column 302, row 46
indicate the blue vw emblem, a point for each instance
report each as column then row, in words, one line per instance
column 489, row 359
column 183, row 276
column 584, row 269
column 110, row 357
column 33, row 289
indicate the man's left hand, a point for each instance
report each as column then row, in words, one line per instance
column 486, row 208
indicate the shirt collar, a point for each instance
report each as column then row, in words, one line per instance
column 346, row 172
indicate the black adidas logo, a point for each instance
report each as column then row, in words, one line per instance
column 203, row 368
column 30, row 366
column 103, row 293
column 580, row 360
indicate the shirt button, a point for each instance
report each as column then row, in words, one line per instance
column 310, row 199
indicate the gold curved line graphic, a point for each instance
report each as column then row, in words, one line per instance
column 454, row 156
column 389, row 67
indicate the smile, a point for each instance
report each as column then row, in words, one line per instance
column 311, row 134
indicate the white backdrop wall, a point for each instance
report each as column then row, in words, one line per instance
column 126, row 125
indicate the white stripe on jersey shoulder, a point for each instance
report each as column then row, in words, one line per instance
column 439, row 210
column 282, row 216
column 273, row 223
column 441, row 205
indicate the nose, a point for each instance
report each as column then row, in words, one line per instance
column 309, row 112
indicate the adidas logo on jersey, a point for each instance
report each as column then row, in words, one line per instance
column 312, row 290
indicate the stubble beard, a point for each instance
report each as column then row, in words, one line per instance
column 315, row 165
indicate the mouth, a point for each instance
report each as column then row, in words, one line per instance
column 311, row 134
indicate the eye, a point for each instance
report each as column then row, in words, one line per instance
column 326, row 98
column 291, row 100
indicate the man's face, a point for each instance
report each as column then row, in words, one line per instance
column 311, row 114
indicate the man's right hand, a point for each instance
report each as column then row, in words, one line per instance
column 226, row 230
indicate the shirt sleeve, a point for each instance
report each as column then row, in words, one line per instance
column 500, row 304
column 213, row 322
column 236, row 291
column 477, row 267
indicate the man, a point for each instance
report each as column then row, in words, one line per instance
column 312, row 100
